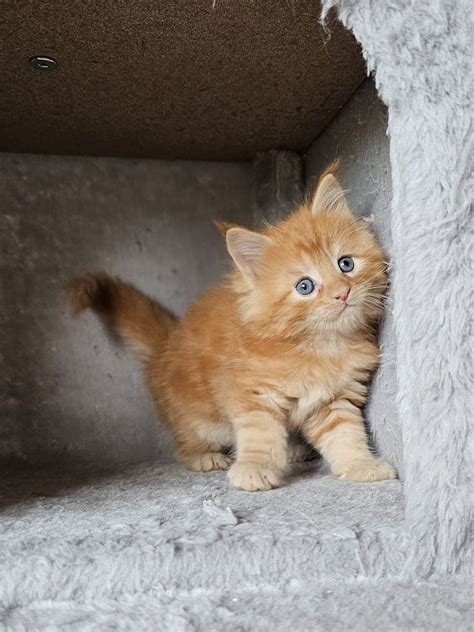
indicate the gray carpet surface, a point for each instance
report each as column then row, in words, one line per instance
column 359, row 606
column 154, row 547
column 168, row 494
column 108, row 534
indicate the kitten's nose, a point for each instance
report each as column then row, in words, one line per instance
column 343, row 294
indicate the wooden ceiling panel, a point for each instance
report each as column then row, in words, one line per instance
column 213, row 79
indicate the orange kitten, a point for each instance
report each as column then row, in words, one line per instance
column 286, row 345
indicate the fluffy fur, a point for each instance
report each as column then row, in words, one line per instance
column 254, row 361
column 421, row 53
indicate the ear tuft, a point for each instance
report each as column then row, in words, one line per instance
column 246, row 249
column 223, row 227
column 329, row 195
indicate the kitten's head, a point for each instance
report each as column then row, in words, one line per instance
column 320, row 269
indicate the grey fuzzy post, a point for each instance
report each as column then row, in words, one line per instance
column 421, row 56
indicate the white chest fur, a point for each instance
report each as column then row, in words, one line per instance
column 317, row 386
column 312, row 395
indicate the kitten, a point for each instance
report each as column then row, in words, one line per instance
column 285, row 345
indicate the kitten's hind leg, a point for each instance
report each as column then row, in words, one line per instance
column 205, row 461
column 204, row 447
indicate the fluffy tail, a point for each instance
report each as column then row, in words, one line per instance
column 136, row 318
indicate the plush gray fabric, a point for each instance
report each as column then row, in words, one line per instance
column 421, row 54
column 107, row 535
column 140, row 550
column 357, row 605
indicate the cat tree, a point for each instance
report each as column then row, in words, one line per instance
column 157, row 545
column 419, row 55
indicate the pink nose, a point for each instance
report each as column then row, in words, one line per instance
column 342, row 295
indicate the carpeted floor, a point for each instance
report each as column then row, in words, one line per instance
column 358, row 606
column 155, row 548
column 149, row 526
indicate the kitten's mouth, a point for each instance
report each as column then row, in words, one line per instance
column 345, row 309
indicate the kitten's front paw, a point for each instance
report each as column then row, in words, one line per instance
column 367, row 470
column 254, row 477
column 206, row 462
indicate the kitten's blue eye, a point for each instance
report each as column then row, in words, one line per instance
column 305, row 286
column 346, row 264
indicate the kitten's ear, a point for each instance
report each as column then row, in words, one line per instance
column 223, row 227
column 246, row 249
column 329, row 195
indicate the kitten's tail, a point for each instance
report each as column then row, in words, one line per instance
column 135, row 317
